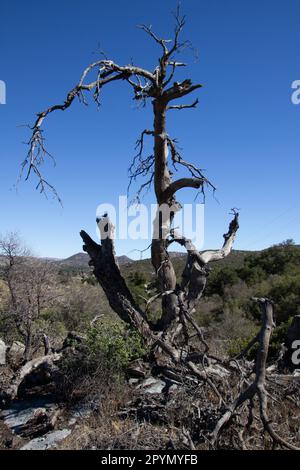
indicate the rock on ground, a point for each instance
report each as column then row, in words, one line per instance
column 15, row 352
column 48, row 441
column 20, row 412
column 152, row 385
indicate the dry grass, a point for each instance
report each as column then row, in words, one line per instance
column 195, row 409
column 101, row 433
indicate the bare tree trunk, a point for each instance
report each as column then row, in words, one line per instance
column 28, row 344
column 163, row 220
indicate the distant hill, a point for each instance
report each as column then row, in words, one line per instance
column 144, row 266
column 81, row 261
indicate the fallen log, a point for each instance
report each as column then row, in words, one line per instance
column 45, row 362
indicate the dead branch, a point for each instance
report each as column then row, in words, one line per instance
column 184, row 106
column 107, row 72
column 198, row 330
column 216, row 255
column 44, row 361
column 181, row 184
column 141, row 166
column 193, row 169
column 258, row 386
column 161, row 42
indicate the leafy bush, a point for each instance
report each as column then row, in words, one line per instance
column 220, row 279
column 252, row 275
column 285, row 292
column 279, row 337
column 114, row 344
column 237, row 345
column 97, row 364
column 277, row 259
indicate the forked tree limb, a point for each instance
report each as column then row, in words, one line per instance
column 216, row 255
column 179, row 90
column 146, row 84
column 196, row 270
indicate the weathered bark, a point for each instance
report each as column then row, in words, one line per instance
column 162, row 180
column 108, row 274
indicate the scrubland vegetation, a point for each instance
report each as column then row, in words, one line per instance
column 100, row 367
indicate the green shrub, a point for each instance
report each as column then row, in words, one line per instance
column 219, row 280
column 285, row 292
column 97, row 365
column 279, row 337
column 277, row 259
column 114, row 344
column 237, row 345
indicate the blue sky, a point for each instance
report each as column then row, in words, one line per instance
column 245, row 132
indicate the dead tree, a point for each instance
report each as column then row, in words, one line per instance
column 31, row 288
column 179, row 297
column 168, row 338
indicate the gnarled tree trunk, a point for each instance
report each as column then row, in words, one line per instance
column 178, row 297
